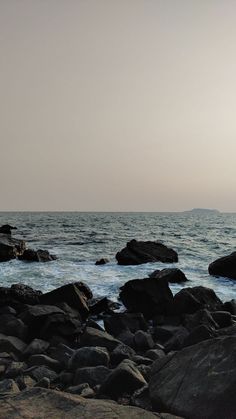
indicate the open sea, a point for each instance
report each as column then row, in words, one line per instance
column 79, row 239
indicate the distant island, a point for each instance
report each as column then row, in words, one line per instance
column 202, row 211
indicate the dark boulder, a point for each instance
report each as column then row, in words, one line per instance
column 225, row 266
column 10, row 248
column 172, row 275
column 124, row 379
column 199, row 334
column 89, row 357
column 201, row 317
column 198, row 381
column 148, row 296
column 40, row 255
column 102, row 305
column 230, row 306
column 119, row 322
column 95, row 337
column 92, row 375
column 75, row 295
column 6, row 229
column 102, row 261
column 120, row 353
column 222, row 318
column 138, row 252
column 190, row 300
column 18, row 295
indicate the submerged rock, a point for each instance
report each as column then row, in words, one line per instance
column 138, row 252
column 225, row 266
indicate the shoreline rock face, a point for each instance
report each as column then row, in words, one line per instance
column 10, row 248
column 224, row 266
column 138, row 252
column 43, row 403
column 197, row 382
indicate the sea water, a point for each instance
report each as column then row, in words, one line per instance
column 79, row 239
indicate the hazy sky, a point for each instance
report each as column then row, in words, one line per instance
column 117, row 104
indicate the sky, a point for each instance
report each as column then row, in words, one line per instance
column 117, row 105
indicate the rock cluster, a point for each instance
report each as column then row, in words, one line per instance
column 172, row 354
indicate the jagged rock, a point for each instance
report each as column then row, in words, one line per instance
column 40, row 255
column 76, row 295
column 62, row 353
column 199, row 334
column 102, row 261
column 123, row 379
column 43, row 403
column 102, row 305
column 18, row 295
column 143, row 340
column 60, row 325
column 91, row 375
column 141, row 398
column 95, row 337
column 89, row 357
column 148, row 296
column 224, row 266
column 137, row 252
column 11, row 344
column 205, row 373
column 34, row 315
column 10, row 248
column 172, row 275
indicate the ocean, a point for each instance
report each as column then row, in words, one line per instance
column 78, row 239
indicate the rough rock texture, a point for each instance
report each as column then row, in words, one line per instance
column 148, row 296
column 42, row 403
column 189, row 300
column 10, row 248
column 198, row 381
column 137, row 252
column 225, row 266
column 89, row 357
column 95, row 337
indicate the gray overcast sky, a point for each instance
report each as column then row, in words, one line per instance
column 117, row 104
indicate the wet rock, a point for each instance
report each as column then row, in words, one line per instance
column 205, row 370
column 94, row 337
column 18, row 295
column 102, row 261
column 91, row 375
column 75, row 295
column 6, row 229
column 10, row 248
column 148, row 296
column 40, row 255
column 172, row 275
column 89, row 357
column 43, row 403
column 224, row 266
column 137, row 252
column 124, row 379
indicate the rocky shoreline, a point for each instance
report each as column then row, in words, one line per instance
column 68, row 355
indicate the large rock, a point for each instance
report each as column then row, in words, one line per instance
column 225, row 266
column 124, row 379
column 95, row 337
column 198, row 381
column 89, row 357
column 10, row 248
column 12, row 344
column 6, row 229
column 19, row 294
column 43, row 403
column 92, row 375
column 189, row 300
column 75, row 295
column 40, row 255
column 149, row 296
column 137, row 252
column 172, row 275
